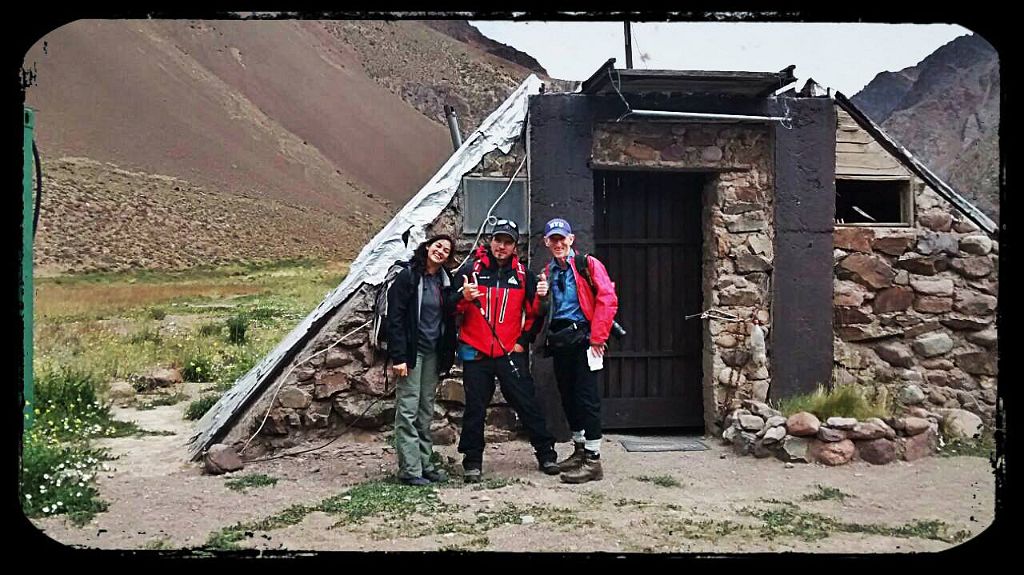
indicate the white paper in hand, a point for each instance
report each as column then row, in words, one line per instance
column 595, row 361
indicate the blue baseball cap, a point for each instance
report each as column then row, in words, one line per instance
column 557, row 226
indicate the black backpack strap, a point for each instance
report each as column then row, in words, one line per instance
column 584, row 268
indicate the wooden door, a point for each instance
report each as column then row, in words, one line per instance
column 647, row 230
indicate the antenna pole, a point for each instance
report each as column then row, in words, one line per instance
column 629, row 47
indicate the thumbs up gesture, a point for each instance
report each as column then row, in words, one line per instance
column 542, row 285
column 469, row 290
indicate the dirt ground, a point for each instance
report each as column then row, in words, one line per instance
column 157, row 500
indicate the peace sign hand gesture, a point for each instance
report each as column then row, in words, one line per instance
column 469, row 290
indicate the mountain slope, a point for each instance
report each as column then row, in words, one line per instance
column 342, row 119
column 956, row 88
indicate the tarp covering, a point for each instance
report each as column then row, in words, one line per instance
column 499, row 131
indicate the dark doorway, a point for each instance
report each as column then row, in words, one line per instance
column 647, row 230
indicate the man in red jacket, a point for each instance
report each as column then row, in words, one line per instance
column 500, row 305
column 581, row 313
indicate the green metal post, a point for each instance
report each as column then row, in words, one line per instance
column 26, row 262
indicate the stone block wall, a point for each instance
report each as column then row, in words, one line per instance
column 915, row 309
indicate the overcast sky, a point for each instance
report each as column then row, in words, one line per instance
column 843, row 56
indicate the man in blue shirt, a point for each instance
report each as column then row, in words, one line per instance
column 582, row 311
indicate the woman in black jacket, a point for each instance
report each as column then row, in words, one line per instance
column 421, row 342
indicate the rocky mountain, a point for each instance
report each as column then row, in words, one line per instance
column 955, row 88
column 335, row 123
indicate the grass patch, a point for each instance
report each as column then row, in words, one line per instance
column 824, row 493
column 91, row 329
column 250, row 481
column 840, row 401
column 210, row 329
column 984, row 446
column 474, row 544
column 198, row 408
column 623, row 502
column 158, row 544
column 692, row 529
column 661, row 480
column 144, row 335
column 592, row 498
column 496, row 483
column 388, row 498
column 788, row 520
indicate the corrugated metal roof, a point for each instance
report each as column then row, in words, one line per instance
column 499, row 131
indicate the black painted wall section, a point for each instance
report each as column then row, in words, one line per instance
column 801, row 354
column 561, row 185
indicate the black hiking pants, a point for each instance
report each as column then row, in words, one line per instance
column 478, row 381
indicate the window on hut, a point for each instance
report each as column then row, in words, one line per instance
column 480, row 192
column 874, row 202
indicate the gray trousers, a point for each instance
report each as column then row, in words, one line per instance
column 414, row 411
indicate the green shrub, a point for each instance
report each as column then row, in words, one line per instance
column 237, row 325
column 197, row 368
column 59, row 479
column 157, row 313
column 199, row 407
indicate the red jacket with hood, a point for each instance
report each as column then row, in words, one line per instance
column 599, row 308
column 510, row 307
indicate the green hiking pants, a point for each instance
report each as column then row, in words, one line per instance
column 414, row 411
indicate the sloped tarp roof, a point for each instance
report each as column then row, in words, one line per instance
column 913, row 164
column 499, row 131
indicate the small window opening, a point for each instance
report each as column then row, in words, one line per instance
column 873, row 202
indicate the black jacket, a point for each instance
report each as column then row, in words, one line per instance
column 403, row 320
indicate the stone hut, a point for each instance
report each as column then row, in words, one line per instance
column 715, row 199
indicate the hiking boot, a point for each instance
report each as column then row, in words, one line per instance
column 589, row 470
column 436, row 475
column 472, row 475
column 418, row 481
column 549, row 467
column 574, row 461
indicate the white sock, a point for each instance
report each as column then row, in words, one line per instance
column 577, row 436
column 593, row 446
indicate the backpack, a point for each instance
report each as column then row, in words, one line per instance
column 584, row 268
column 379, row 321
